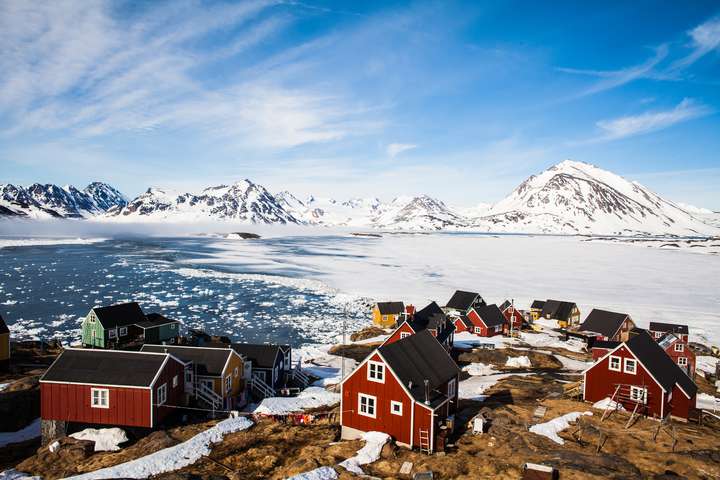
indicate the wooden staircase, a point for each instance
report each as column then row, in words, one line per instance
column 425, row 441
column 260, row 388
column 208, row 396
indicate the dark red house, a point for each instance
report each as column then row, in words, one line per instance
column 680, row 352
column 513, row 317
column 658, row 330
column 407, row 389
column 487, row 320
column 110, row 387
column 462, row 323
column 601, row 347
column 431, row 318
column 607, row 326
column 638, row 373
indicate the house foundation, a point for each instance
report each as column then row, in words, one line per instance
column 51, row 430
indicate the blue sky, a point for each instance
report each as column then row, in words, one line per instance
column 460, row 100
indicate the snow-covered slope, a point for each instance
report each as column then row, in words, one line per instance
column 242, row 201
column 51, row 201
column 576, row 197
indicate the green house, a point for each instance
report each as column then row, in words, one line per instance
column 108, row 327
column 157, row 329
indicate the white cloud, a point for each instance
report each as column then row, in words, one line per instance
column 647, row 122
column 705, row 38
column 395, row 149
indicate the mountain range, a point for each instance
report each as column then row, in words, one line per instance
column 568, row 198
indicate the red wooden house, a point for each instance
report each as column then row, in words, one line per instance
column 607, row 326
column 658, row 330
column 680, row 352
column 407, row 389
column 513, row 317
column 643, row 378
column 487, row 320
column 110, row 387
column 463, row 324
column 601, row 347
column 431, row 318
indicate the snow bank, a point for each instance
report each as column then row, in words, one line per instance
column 374, row 442
column 518, row 362
column 476, row 369
column 311, row 397
column 316, row 361
column 172, row 458
column 572, row 364
column 707, row 402
column 322, row 473
column 106, row 439
column 27, row 433
column 13, row 474
column 607, row 402
column 553, row 427
column 706, row 363
column 474, row 387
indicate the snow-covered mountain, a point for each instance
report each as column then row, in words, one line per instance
column 242, row 201
column 51, row 201
column 576, row 197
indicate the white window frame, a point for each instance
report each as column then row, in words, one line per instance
column 162, row 394
column 112, row 333
column 123, row 331
column 376, row 374
column 478, row 330
column 176, row 381
column 396, row 408
column 619, row 363
column 452, row 388
column 404, row 335
column 236, row 372
column 683, row 361
column 633, row 362
column 681, row 347
column 172, row 326
column 103, row 398
column 368, row 400
column 634, row 395
column 91, row 318
column 228, row 383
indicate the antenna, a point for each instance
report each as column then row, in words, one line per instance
column 427, row 392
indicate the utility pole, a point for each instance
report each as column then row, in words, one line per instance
column 342, row 350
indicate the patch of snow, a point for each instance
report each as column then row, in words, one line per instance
column 27, row 433
column 518, row 362
column 706, row 363
column 476, row 369
column 553, row 427
column 374, row 442
column 172, row 458
column 316, row 361
column 572, row 364
column 707, row 402
column 106, row 439
column 13, row 474
column 606, row 403
column 311, row 397
column 474, row 387
column 322, row 473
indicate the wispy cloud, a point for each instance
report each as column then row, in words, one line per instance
column 395, row 149
column 78, row 67
column 705, row 38
column 647, row 122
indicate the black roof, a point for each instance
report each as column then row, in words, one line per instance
column 466, row 321
column 207, row 361
column 391, row 308
column 539, row 304
column 417, row 358
column 155, row 320
column 659, row 363
column 446, row 332
column 462, row 300
column 607, row 344
column 505, row 305
column 669, row 327
column 491, row 315
column 105, row 367
column 3, row 327
column 261, row 355
column 603, row 322
column 120, row 315
column 557, row 309
column 432, row 316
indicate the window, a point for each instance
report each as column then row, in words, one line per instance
column 679, row 347
column 376, row 372
column 630, row 366
column 188, row 376
column 123, row 331
column 478, row 330
column 162, row 394
column 112, row 333
column 100, row 397
column 175, row 381
column 395, row 407
column 91, row 317
column 366, row 405
column 228, row 383
column 452, row 388
column 615, row 363
column 682, row 361
column 404, row 335
column 172, row 326
column 384, row 318
column 236, row 372
column 638, row 394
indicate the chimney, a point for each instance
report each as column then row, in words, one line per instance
column 427, row 392
column 409, row 311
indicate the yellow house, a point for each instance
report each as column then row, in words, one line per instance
column 388, row 314
column 214, row 375
column 536, row 309
column 4, row 344
column 566, row 314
